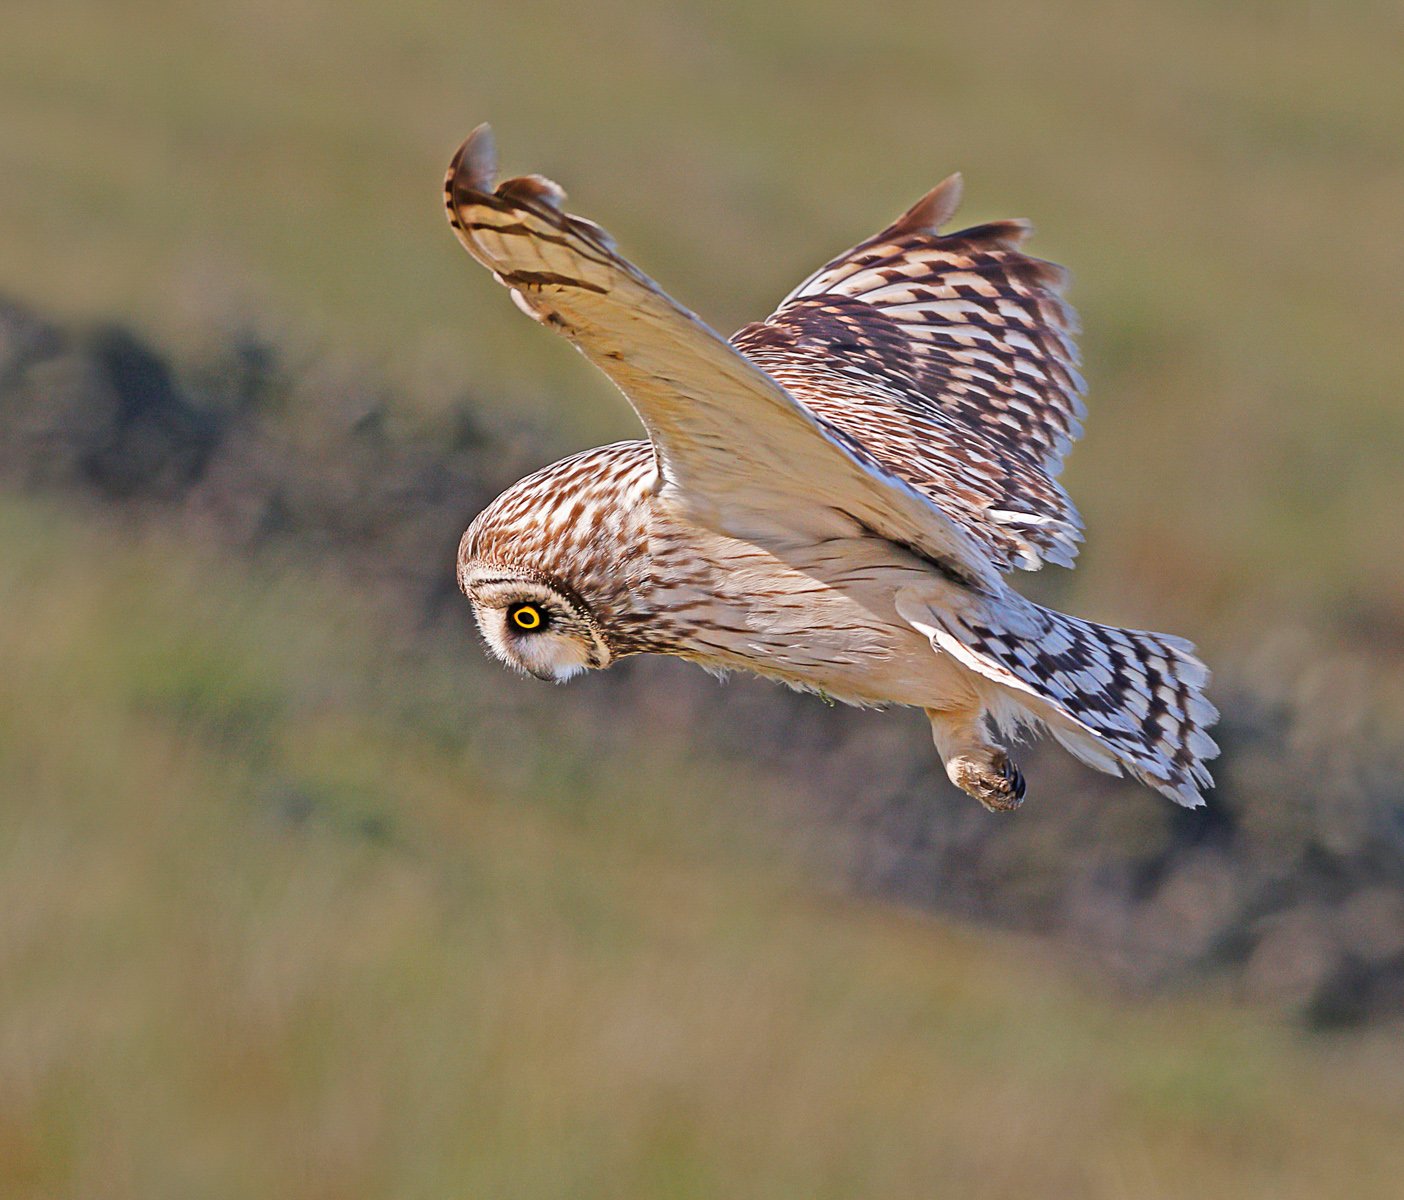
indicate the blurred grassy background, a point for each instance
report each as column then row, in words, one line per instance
column 269, row 932
column 298, row 903
column 1221, row 182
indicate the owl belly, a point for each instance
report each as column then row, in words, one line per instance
column 821, row 617
column 851, row 657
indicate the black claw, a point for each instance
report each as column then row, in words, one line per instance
column 1015, row 777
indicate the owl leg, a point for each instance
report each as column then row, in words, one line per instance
column 973, row 763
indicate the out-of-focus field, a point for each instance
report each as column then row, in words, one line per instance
column 1223, row 181
column 300, row 898
column 269, row 932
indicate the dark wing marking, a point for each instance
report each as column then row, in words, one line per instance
column 960, row 331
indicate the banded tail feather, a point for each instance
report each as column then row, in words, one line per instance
column 1124, row 701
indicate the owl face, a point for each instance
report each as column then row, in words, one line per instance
column 532, row 624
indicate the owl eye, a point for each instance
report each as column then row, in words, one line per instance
column 527, row 617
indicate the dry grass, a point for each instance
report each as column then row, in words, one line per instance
column 268, row 933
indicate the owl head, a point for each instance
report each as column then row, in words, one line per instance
column 532, row 623
column 557, row 566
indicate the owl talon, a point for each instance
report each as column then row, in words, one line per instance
column 994, row 780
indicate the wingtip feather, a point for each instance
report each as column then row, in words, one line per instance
column 474, row 167
column 934, row 209
column 1010, row 234
column 533, row 189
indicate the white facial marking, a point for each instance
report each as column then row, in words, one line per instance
column 530, row 626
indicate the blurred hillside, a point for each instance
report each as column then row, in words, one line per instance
column 303, row 898
column 287, row 864
column 1291, row 882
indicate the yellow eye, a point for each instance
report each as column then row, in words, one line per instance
column 526, row 617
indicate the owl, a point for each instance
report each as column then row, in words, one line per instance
column 833, row 497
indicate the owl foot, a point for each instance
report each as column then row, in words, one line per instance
column 992, row 779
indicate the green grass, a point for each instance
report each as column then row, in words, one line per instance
column 271, row 929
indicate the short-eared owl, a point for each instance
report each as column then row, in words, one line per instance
column 830, row 498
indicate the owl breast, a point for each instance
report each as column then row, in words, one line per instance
column 817, row 615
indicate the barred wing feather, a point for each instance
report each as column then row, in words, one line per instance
column 735, row 451
column 966, row 345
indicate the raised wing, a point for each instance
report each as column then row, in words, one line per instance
column 962, row 323
column 967, row 345
column 735, row 451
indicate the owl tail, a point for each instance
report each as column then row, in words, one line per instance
column 1121, row 700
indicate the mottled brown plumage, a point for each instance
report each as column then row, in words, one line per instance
column 831, row 498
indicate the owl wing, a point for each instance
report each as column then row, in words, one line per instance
column 960, row 366
column 736, row 452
